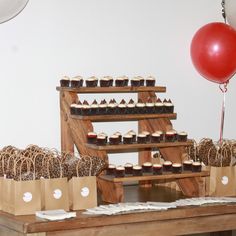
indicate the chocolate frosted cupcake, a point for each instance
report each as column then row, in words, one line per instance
column 141, row 138
column 94, row 107
column 65, row 81
column 133, row 133
column 137, row 170
column 73, row 109
column 119, row 82
column 168, row 106
column 167, row 166
column 157, row 169
column 150, row 81
column 159, row 106
column 114, row 139
column 111, row 169
column 176, row 168
column 122, row 107
column 76, row 82
column 127, row 139
column 92, row 138
column 170, row 136
column 155, row 138
column 147, row 167
column 130, row 107
column 104, row 81
column 150, row 106
column 112, row 107
column 101, row 140
column 102, row 107
column 85, row 108
column 119, row 136
column 128, row 169
column 78, row 109
column 182, row 136
column 140, row 107
column 148, row 136
column 120, row 171
column 135, row 82
column 187, row 165
column 92, row 81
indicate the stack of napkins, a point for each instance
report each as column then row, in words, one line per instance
column 59, row 214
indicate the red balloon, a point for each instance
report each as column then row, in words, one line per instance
column 213, row 52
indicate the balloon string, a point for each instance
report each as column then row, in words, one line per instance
column 224, row 90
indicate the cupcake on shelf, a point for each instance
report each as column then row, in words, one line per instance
column 101, row 140
column 170, row 136
column 128, row 168
column 150, row 81
column 94, row 107
column 104, row 134
column 140, row 107
column 65, row 81
column 147, row 167
column 131, row 107
column 111, row 169
column 127, row 139
column 141, row 138
column 126, row 80
column 158, row 106
column 182, row 136
column 114, row 139
column 76, row 82
column 148, row 136
column 157, row 169
column 133, row 133
column 102, row 107
column 135, row 81
column 167, row 166
column 161, row 135
column 73, row 109
column 137, row 170
column 187, row 165
column 155, row 137
column 141, row 80
column 105, row 81
column 78, row 108
column 92, row 138
column 119, row 136
column 112, row 107
column 150, row 106
column 91, row 81
column 122, row 106
column 120, row 171
column 85, row 110
column 119, row 82
column 176, row 168
column 168, row 106
column 196, row 166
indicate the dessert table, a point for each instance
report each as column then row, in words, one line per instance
column 218, row 219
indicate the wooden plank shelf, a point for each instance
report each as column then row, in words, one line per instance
column 148, row 177
column 109, row 147
column 125, row 117
column 127, row 89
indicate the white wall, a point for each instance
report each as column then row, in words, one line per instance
column 53, row 38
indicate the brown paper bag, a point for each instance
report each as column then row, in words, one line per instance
column 222, row 181
column 54, row 192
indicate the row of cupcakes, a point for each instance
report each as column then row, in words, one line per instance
column 155, row 169
column 131, row 107
column 107, row 81
column 131, row 137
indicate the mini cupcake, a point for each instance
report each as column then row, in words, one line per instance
column 155, row 138
column 159, row 106
column 119, row 136
column 76, row 82
column 102, row 107
column 133, row 133
column 85, row 108
column 73, row 109
column 130, row 107
column 105, row 135
column 126, row 80
column 92, row 81
column 170, row 136
column 119, row 82
column 161, row 135
column 78, row 109
column 112, row 107
column 150, row 81
column 122, row 107
column 92, row 138
column 168, row 106
column 176, row 168
column 148, row 136
column 114, row 139
column 182, row 136
column 127, row 139
column 65, row 81
column 147, row 167
column 137, row 170
column 110, row 80
column 150, row 106
column 196, row 166
column 111, row 169
column 141, row 138
column 157, row 169
column 104, row 81
column 101, row 140
column 135, row 81
column 120, row 171
column 187, row 165
column 167, row 166
column 141, row 80
column 140, row 107
column 128, row 169
column 94, row 107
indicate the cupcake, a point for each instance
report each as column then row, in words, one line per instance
column 155, row 138
column 126, row 80
column 150, row 81
column 167, row 166
column 133, row 133
column 110, row 80
column 114, row 139
column 182, row 136
column 119, row 82
column 101, row 140
column 92, row 138
column 122, row 107
column 105, row 135
column 127, row 139
column 141, row 80
column 111, row 169
column 94, row 107
column 76, row 82
column 128, row 169
column 112, row 107
column 120, row 171
column 105, row 81
column 148, row 136
column 119, row 136
column 176, row 168
column 135, row 82
column 170, row 136
column 140, row 107
column 147, row 167
column 158, row 106
column 85, row 108
column 168, row 106
column 187, row 165
column 78, row 109
column 161, row 135
column 157, row 169
column 141, row 138
column 92, row 81
column 137, row 170
column 130, row 107
column 102, row 107
column 73, row 109
column 196, row 166
column 65, row 81
column 150, row 106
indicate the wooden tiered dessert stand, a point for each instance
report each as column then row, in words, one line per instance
column 74, row 131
